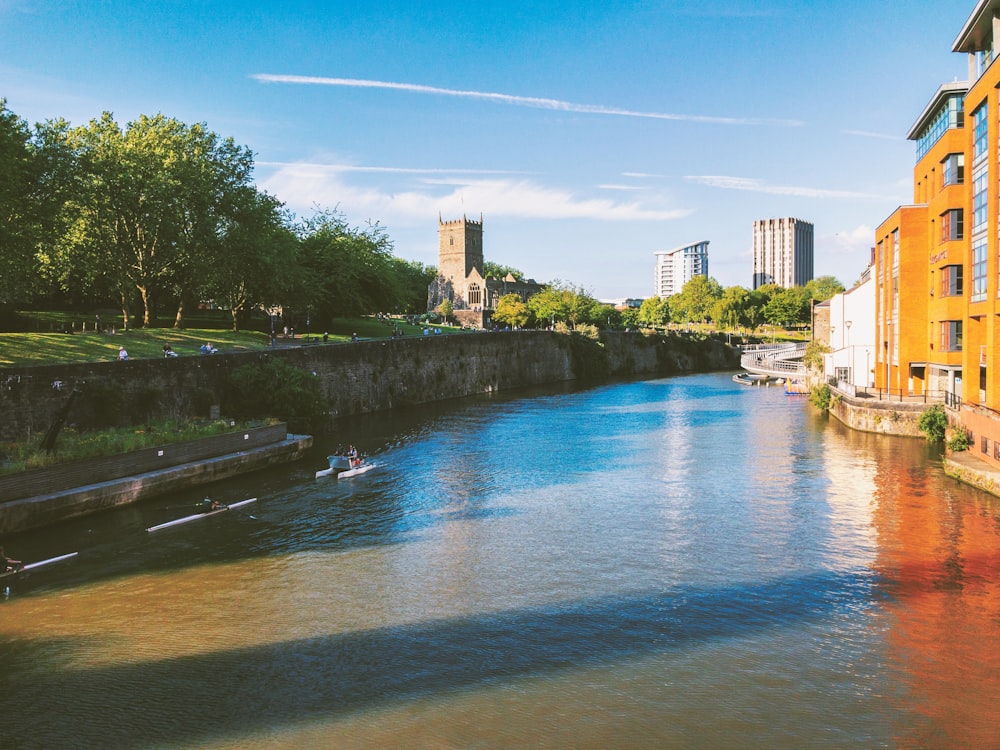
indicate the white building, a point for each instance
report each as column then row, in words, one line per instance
column 782, row 252
column 851, row 362
column 675, row 268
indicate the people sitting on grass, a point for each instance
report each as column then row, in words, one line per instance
column 168, row 351
column 207, row 348
column 122, row 354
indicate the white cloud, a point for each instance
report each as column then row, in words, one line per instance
column 386, row 170
column 302, row 186
column 851, row 241
column 754, row 185
column 870, row 134
column 520, row 101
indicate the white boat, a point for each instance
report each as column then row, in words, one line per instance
column 196, row 516
column 342, row 467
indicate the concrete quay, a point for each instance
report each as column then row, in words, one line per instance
column 42, row 510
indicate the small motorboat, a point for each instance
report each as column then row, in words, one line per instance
column 345, row 466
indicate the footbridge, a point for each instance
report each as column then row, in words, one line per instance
column 775, row 360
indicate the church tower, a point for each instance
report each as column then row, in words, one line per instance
column 460, row 249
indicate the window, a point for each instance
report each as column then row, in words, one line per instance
column 979, row 130
column 952, row 225
column 951, row 281
column 951, row 335
column 953, row 170
column 979, row 182
column 475, row 294
column 978, row 270
column 949, row 115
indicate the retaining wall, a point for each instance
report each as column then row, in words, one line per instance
column 94, row 470
column 882, row 417
column 358, row 377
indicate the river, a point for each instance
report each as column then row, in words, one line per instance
column 675, row 563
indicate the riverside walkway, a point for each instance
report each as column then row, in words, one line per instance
column 774, row 360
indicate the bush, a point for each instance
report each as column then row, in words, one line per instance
column 960, row 440
column 933, row 423
column 819, row 397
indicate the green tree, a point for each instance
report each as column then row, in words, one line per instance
column 560, row 302
column 787, row 307
column 823, row 287
column 654, row 311
column 346, row 271
column 255, row 256
column 497, row 271
column 696, row 300
column 630, row 317
column 447, row 309
column 733, row 308
column 36, row 174
column 512, row 311
column 413, row 278
column 149, row 203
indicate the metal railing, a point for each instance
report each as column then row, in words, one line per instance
column 774, row 359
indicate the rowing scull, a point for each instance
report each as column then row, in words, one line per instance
column 196, row 516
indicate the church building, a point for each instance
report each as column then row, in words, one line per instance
column 461, row 278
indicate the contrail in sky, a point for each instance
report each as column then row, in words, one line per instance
column 519, row 101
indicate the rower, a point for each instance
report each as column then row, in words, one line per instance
column 213, row 505
column 7, row 564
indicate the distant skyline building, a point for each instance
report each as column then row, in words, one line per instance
column 782, row 252
column 675, row 268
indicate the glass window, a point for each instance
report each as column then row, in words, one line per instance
column 951, row 281
column 979, row 133
column 952, row 225
column 980, row 177
column 978, row 270
column 953, row 169
column 951, row 335
column 950, row 115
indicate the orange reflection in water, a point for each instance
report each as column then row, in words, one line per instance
column 938, row 555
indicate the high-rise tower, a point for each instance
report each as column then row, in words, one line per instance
column 782, row 252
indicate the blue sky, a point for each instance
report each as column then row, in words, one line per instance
column 588, row 135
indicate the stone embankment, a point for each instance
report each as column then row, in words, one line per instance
column 44, row 496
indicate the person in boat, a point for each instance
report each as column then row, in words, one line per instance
column 352, row 455
column 8, row 564
column 213, row 505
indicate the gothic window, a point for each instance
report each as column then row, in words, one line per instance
column 475, row 295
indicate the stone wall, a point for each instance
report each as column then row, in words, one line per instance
column 358, row 377
column 883, row 417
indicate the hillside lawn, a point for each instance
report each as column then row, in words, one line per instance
column 48, row 345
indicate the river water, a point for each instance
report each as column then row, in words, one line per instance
column 676, row 563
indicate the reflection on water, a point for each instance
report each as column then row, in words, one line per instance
column 681, row 562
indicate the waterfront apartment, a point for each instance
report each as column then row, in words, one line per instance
column 936, row 265
column 782, row 252
column 675, row 268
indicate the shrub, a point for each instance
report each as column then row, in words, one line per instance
column 819, row 396
column 960, row 440
column 933, row 423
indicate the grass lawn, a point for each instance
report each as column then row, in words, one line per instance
column 44, row 348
